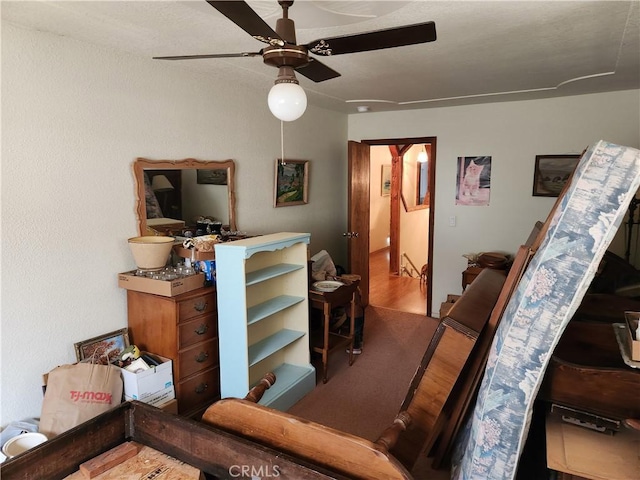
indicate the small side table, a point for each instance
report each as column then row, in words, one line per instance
column 328, row 341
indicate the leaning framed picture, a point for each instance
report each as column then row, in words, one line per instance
column 551, row 173
column 292, row 183
column 103, row 349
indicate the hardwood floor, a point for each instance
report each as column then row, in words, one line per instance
column 404, row 294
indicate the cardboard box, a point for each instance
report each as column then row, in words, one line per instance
column 580, row 452
column 446, row 306
column 166, row 288
column 171, row 406
column 631, row 321
column 153, row 386
column 157, row 399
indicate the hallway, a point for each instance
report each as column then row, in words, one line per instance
column 404, row 294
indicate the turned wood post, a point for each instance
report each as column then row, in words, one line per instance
column 389, row 437
column 256, row 393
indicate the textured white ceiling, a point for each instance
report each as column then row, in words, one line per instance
column 485, row 51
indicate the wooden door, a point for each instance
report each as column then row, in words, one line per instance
column 358, row 233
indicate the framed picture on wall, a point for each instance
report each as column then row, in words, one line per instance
column 385, row 181
column 291, row 183
column 212, row 176
column 551, row 173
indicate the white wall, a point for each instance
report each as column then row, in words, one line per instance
column 74, row 118
column 414, row 224
column 379, row 205
column 513, row 133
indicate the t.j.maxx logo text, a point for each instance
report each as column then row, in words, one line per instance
column 90, row 397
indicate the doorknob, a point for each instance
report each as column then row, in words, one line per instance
column 350, row 234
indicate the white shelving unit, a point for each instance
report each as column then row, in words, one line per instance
column 263, row 317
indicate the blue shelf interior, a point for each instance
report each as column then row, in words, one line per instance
column 270, row 272
column 271, row 306
column 262, row 349
column 292, row 383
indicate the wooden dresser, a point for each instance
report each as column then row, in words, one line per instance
column 183, row 328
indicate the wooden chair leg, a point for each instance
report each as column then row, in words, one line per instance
column 325, row 342
column 255, row 394
column 389, row 437
column 352, row 327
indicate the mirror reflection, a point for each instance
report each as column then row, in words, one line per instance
column 174, row 196
column 415, row 177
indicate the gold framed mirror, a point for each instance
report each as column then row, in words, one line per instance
column 172, row 194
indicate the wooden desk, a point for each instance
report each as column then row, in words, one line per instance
column 578, row 453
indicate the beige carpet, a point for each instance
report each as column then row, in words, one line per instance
column 363, row 399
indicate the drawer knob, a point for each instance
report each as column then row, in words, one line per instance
column 200, row 306
column 201, row 388
column 202, row 329
column 202, row 356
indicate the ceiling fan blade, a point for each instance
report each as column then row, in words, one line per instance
column 376, row 40
column 317, row 71
column 246, row 18
column 213, row 55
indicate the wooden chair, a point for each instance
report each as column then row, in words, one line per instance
column 340, row 452
column 326, row 341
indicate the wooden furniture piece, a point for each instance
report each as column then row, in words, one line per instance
column 325, row 340
column 587, row 373
column 202, row 446
column 446, row 359
column 469, row 275
column 183, row 328
column 460, row 401
column 264, row 316
column 308, row 441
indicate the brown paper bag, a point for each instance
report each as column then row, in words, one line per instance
column 76, row 393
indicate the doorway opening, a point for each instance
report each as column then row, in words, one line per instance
column 398, row 203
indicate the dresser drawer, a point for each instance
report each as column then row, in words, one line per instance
column 197, row 330
column 199, row 390
column 199, row 357
column 200, row 305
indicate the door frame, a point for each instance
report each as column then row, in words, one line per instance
column 356, row 190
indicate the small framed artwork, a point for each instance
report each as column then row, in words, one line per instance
column 292, row 183
column 214, row 176
column 551, row 173
column 103, row 349
column 385, row 181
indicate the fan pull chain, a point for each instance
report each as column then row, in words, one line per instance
column 282, row 162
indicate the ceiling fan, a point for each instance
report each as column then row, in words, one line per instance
column 287, row 100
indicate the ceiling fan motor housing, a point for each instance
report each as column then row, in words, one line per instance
column 287, row 56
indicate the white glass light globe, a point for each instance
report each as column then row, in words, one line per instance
column 287, row 101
